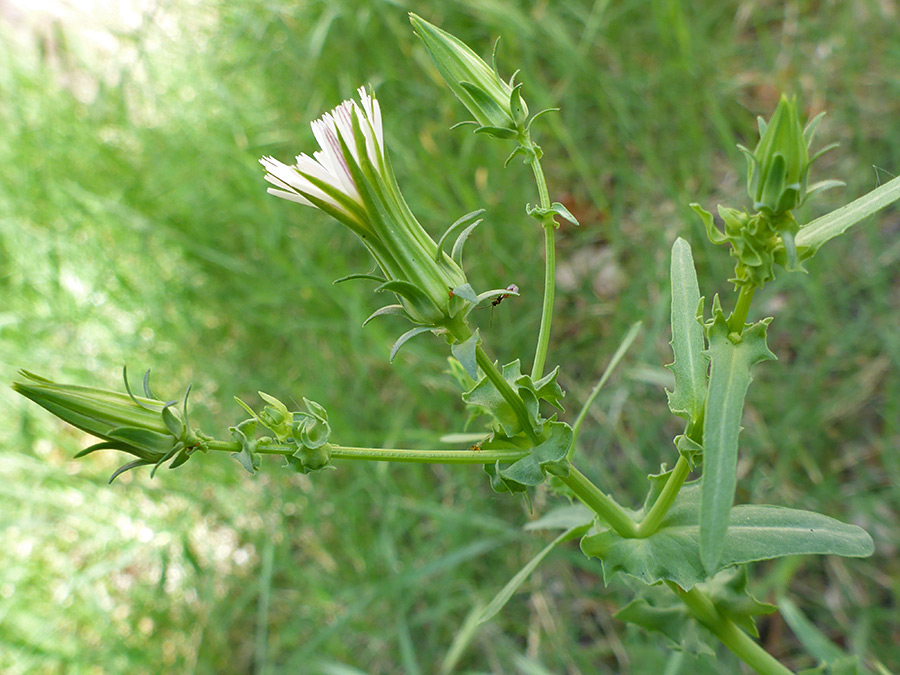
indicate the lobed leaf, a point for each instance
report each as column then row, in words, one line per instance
column 754, row 533
column 690, row 364
column 464, row 352
column 730, row 363
column 548, row 457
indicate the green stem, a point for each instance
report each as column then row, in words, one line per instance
column 515, row 401
column 388, row 454
column 666, row 498
column 741, row 644
column 660, row 508
column 741, row 309
column 601, row 504
column 543, row 343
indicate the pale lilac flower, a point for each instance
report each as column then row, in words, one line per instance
column 325, row 180
column 350, row 179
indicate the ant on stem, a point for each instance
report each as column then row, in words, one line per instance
column 513, row 290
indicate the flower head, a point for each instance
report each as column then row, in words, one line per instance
column 324, row 180
column 351, row 179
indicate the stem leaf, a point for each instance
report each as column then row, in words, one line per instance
column 464, row 352
column 690, row 364
column 816, row 233
column 754, row 533
column 547, row 458
column 728, row 382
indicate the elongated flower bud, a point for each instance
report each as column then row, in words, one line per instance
column 351, row 179
column 495, row 104
column 152, row 431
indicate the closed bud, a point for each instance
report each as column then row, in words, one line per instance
column 496, row 105
column 144, row 427
column 779, row 166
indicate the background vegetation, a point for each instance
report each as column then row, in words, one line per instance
column 135, row 228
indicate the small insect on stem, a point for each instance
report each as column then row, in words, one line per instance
column 513, row 290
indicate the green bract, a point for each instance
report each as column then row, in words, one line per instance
column 496, row 105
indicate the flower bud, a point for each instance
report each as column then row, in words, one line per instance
column 495, row 104
column 151, row 430
column 778, row 168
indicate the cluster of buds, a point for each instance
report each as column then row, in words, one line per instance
column 306, row 432
column 156, row 432
column 778, row 169
column 778, row 183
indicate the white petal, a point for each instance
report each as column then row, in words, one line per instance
column 290, row 196
column 328, row 164
column 331, row 157
column 288, row 179
column 373, row 116
column 284, row 173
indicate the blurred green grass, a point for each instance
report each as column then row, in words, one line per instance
column 135, row 228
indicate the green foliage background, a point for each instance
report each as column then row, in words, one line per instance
column 135, row 228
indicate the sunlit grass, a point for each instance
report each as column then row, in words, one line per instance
column 134, row 228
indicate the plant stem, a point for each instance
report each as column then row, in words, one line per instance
column 601, row 504
column 515, row 401
column 741, row 644
column 549, row 224
column 543, row 344
column 666, row 498
column 741, row 309
column 428, row 456
column 660, row 508
column 388, row 454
